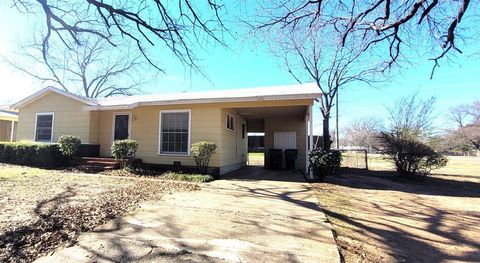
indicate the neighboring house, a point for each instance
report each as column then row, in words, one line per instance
column 8, row 124
column 166, row 125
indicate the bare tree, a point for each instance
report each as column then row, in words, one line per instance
column 90, row 69
column 412, row 116
column 387, row 26
column 472, row 133
column 176, row 25
column 363, row 132
column 310, row 56
column 468, row 131
column 459, row 114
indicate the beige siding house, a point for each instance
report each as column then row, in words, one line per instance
column 166, row 125
column 8, row 124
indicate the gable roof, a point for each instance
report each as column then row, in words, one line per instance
column 287, row 92
column 47, row 90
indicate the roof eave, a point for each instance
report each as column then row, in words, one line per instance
column 204, row 101
column 45, row 91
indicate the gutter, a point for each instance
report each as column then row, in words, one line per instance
column 201, row 101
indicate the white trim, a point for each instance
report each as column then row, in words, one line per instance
column 45, row 91
column 35, row 128
column 12, row 129
column 226, row 123
column 202, row 101
column 311, row 136
column 129, row 123
column 160, row 133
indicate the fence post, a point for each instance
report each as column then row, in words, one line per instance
column 366, row 160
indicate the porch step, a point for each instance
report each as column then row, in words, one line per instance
column 97, row 164
column 100, row 164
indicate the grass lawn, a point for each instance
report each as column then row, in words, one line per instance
column 378, row 217
column 255, row 158
column 43, row 209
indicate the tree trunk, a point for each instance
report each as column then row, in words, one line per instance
column 327, row 143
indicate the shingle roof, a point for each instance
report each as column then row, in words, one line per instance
column 6, row 113
column 298, row 91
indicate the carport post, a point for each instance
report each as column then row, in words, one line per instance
column 12, row 129
column 310, row 146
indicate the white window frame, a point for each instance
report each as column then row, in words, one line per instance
column 233, row 118
column 35, row 129
column 160, row 133
column 129, row 123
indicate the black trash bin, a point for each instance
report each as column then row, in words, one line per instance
column 275, row 159
column 291, row 156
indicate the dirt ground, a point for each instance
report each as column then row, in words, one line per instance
column 378, row 217
column 42, row 209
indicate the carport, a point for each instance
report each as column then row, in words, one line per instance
column 284, row 127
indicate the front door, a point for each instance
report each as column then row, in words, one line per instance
column 121, row 128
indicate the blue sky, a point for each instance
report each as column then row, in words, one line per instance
column 246, row 64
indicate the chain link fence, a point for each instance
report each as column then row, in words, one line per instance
column 355, row 159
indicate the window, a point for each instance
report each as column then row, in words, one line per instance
column 244, row 130
column 121, row 126
column 230, row 122
column 175, row 132
column 44, row 127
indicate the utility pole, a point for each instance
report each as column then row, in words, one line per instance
column 336, row 108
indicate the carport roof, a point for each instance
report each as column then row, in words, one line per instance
column 288, row 92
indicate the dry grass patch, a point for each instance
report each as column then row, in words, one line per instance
column 380, row 218
column 43, row 209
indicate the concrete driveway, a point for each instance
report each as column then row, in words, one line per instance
column 252, row 215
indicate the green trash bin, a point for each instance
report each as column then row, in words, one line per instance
column 291, row 156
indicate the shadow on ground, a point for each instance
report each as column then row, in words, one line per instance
column 437, row 184
column 380, row 217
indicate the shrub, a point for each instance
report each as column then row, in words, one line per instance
column 202, row 153
column 411, row 157
column 201, row 178
column 69, row 146
column 124, row 150
column 323, row 162
column 32, row 154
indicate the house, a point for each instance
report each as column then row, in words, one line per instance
column 8, row 124
column 165, row 125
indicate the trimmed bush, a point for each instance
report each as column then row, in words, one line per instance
column 202, row 153
column 411, row 157
column 32, row 154
column 124, row 149
column 69, row 146
column 324, row 163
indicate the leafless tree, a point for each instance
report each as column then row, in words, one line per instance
column 90, row 69
column 468, row 131
column 459, row 114
column 412, row 116
column 176, row 25
column 312, row 54
column 387, row 26
column 363, row 132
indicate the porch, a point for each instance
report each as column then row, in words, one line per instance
column 8, row 129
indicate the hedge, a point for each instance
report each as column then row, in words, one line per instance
column 32, row 154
